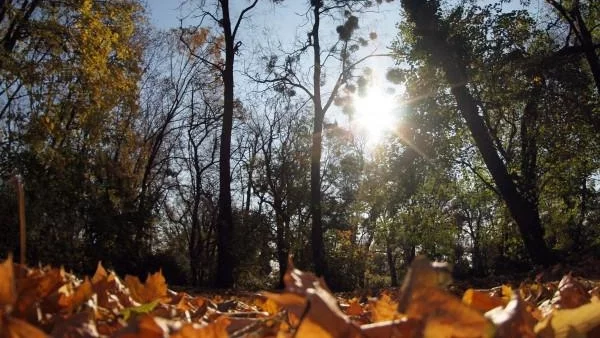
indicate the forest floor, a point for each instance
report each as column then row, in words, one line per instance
column 555, row 302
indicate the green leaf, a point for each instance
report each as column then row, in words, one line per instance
column 138, row 310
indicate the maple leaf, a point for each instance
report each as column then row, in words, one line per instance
column 154, row 288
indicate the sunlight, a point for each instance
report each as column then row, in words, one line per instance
column 375, row 114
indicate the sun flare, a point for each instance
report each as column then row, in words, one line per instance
column 375, row 114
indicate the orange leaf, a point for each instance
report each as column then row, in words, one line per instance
column 154, row 288
column 354, row 308
column 405, row 327
column 144, row 327
column 216, row 329
column 292, row 302
column 79, row 296
column 100, row 274
column 8, row 290
column 17, row 328
column 481, row 300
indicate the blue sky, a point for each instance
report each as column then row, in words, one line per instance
column 284, row 22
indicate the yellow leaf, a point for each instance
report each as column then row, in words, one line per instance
column 384, row 309
column 570, row 323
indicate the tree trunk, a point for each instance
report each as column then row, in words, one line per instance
column 318, row 246
column 424, row 15
column 225, row 229
column 391, row 260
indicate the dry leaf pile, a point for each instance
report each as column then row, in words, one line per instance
column 46, row 302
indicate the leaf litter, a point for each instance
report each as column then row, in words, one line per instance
column 49, row 302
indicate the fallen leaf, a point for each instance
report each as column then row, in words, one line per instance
column 17, row 328
column 8, row 290
column 354, row 308
column 128, row 312
column 74, row 326
column 446, row 316
column 567, row 323
column 70, row 302
column 513, row 320
column 154, row 288
column 422, row 274
column 572, row 293
column 216, row 329
column 144, row 327
column 384, row 309
column 481, row 300
column 404, row 328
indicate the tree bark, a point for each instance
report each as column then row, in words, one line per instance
column 434, row 39
column 225, row 228
column 318, row 246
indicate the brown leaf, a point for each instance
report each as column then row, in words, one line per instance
column 572, row 293
column 70, row 302
column 112, row 294
column 144, row 327
column 422, row 274
column 75, row 326
column 35, row 288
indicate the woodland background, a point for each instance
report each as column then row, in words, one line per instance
column 135, row 149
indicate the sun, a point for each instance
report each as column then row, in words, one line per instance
column 375, row 114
